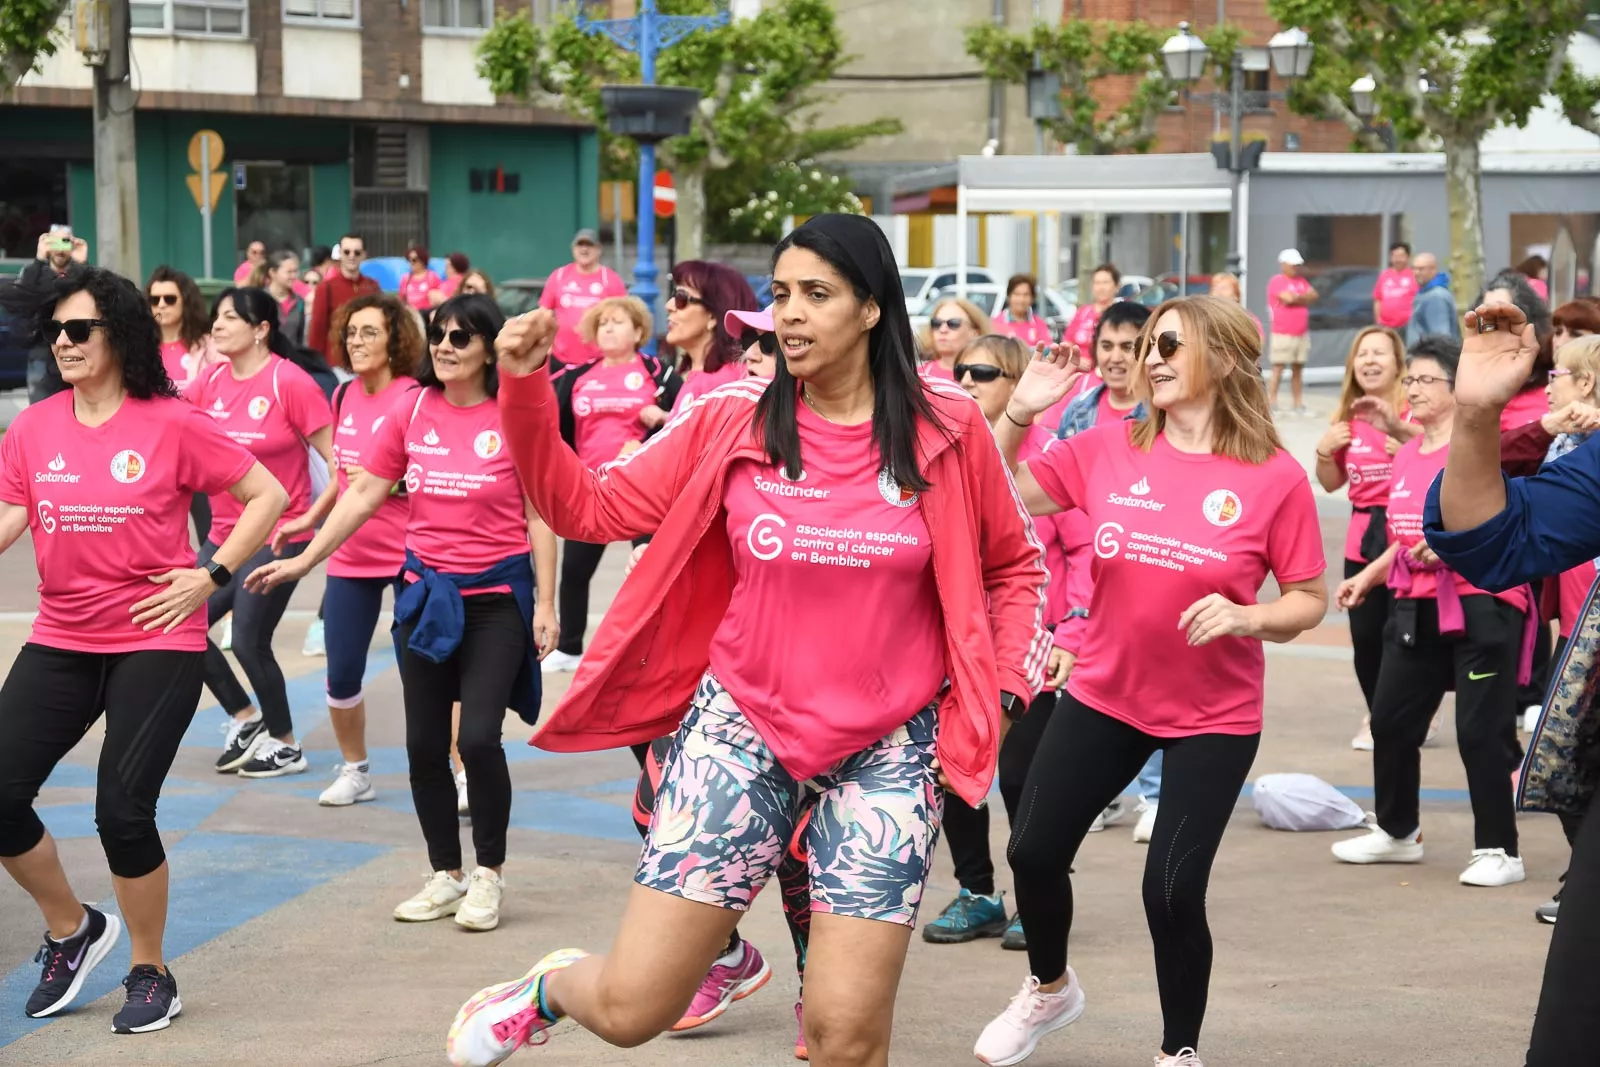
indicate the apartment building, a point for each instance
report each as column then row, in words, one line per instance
column 335, row 115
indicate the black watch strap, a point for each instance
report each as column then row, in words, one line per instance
column 1012, row 705
column 219, row 574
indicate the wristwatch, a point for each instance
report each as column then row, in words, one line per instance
column 219, row 574
column 1013, row 706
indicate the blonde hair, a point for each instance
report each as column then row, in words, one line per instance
column 969, row 310
column 1352, row 391
column 631, row 307
column 1223, row 349
column 1581, row 356
column 1230, row 279
column 1008, row 353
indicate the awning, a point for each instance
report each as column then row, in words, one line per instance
column 1072, row 185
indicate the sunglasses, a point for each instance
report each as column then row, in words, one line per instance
column 169, row 299
column 681, row 299
column 459, row 338
column 77, row 330
column 352, row 253
column 768, row 342
column 953, row 323
column 982, row 373
column 1167, row 343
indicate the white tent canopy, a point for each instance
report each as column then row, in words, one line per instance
column 1073, row 185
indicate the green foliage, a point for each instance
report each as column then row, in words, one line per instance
column 27, row 35
column 1082, row 52
column 792, row 188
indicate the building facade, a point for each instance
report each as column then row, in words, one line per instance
column 336, row 116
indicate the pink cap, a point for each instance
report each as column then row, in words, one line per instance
column 761, row 321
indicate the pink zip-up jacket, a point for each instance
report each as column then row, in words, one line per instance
column 636, row 680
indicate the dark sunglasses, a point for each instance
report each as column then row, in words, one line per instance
column 352, row 253
column 954, row 323
column 768, row 342
column 982, row 373
column 169, row 299
column 77, row 330
column 1166, row 343
column 681, row 299
column 459, row 338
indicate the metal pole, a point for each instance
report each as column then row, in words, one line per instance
column 644, row 271
column 116, row 178
column 616, row 220
column 205, row 203
column 1235, row 108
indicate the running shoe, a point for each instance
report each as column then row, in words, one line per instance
column 353, row 786
column 316, row 641
column 1375, row 846
column 559, row 662
column 1530, row 718
column 1015, row 1032
column 1550, row 909
column 462, row 807
column 724, row 984
column 966, row 918
column 1145, row 828
column 441, row 895
column 1492, row 867
column 800, row 1050
column 152, row 1001
column 67, row 963
column 1112, row 815
column 242, row 735
column 274, row 759
column 1362, row 742
column 481, row 908
column 1014, row 938
column 502, row 1018
column 1186, row 1057
column 1301, row 412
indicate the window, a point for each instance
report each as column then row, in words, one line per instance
column 457, row 14
column 223, row 18
column 333, row 12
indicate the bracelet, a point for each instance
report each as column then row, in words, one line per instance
column 1324, row 455
column 1013, row 421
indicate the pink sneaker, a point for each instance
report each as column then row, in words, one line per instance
column 722, row 986
column 1015, row 1032
column 800, row 1052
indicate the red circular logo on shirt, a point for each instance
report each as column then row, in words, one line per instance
column 1222, row 507
column 892, row 491
column 634, row 380
column 487, row 444
column 127, row 466
column 259, row 406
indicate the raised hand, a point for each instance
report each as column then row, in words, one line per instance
column 1050, row 375
column 1497, row 356
column 1377, row 411
column 1336, row 437
column 523, row 344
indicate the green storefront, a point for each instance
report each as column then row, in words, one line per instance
column 510, row 197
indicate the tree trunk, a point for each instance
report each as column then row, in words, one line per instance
column 689, row 223
column 1091, row 250
column 15, row 65
column 1465, row 200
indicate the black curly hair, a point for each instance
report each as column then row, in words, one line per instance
column 130, row 329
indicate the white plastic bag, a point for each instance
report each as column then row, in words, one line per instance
column 1304, row 802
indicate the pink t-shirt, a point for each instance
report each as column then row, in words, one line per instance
column 1573, row 588
column 273, row 413
column 1530, row 405
column 1031, row 331
column 1288, row 320
column 934, row 369
column 1170, row 528
column 108, row 507
column 700, row 382
column 414, row 289
column 1395, row 291
column 378, row 548
column 569, row 293
column 833, row 636
column 1050, row 529
column 1414, row 471
column 1367, row 465
column 241, row 273
column 180, row 365
column 606, row 402
column 466, row 502
column 451, row 283
column 1080, row 331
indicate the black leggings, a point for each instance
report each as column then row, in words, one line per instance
column 481, row 675
column 255, row 620
column 1084, row 761
column 49, row 701
column 1366, row 633
column 1569, row 1002
column 579, row 561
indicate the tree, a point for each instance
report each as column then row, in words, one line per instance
column 27, row 34
column 1447, row 72
column 756, row 77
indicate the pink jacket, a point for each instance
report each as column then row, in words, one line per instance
column 641, row 669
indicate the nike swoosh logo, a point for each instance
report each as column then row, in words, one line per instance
column 1474, row 676
column 73, row 966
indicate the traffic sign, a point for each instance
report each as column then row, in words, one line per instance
column 217, row 181
column 666, row 196
column 209, row 142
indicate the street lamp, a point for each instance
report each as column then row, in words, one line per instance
column 1186, row 59
column 1361, row 99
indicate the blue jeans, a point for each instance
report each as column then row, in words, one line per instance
column 350, row 608
column 1148, row 782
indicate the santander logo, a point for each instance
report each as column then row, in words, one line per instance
column 1140, row 488
column 55, row 474
column 58, row 464
column 430, row 438
column 430, row 445
column 1136, row 498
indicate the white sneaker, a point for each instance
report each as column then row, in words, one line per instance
column 1530, row 718
column 1186, row 1057
column 1113, row 813
column 462, row 807
column 1375, row 846
column 1145, row 828
column 441, row 896
column 314, row 644
column 559, row 662
column 225, row 642
column 1362, row 742
column 503, row 1018
column 1013, row 1035
column 353, row 786
column 1491, row 867
column 481, row 909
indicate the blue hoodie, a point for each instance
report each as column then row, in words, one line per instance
column 1434, row 311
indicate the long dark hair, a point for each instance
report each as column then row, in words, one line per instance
column 722, row 289
column 898, row 399
column 193, row 325
column 256, row 306
column 481, row 315
column 131, row 331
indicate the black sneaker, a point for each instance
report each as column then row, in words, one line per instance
column 273, row 759
column 152, row 1001
column 1550, row 909
column 67, row 963
column 242, row 737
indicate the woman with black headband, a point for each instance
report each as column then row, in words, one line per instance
column 844, row 480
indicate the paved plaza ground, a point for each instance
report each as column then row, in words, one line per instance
column 285, row 953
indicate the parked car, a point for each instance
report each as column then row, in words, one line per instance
column 921, row 283
column 518, row 296
column 991, row 298
column 1344, row 298
column 1165, row 287
column 15, row 343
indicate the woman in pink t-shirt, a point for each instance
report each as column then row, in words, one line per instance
column 276, row 410
column 1192, row 507
column 180, row 311
column 1018, row 319
column 954, row 324
column 473, row 615
column 101, row 476
column 790, row 517
column 456, row 266
column 1367, row 429
column 703, row 295
column 1443, row 633
column 421, row 281
column 1102, row 291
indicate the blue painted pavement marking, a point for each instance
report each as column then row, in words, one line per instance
column 219, row 881
column 308, row 697
column 176, row 813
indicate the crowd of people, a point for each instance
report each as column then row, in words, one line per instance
column 1018, row 506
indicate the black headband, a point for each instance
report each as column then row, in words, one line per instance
column 862, row 241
